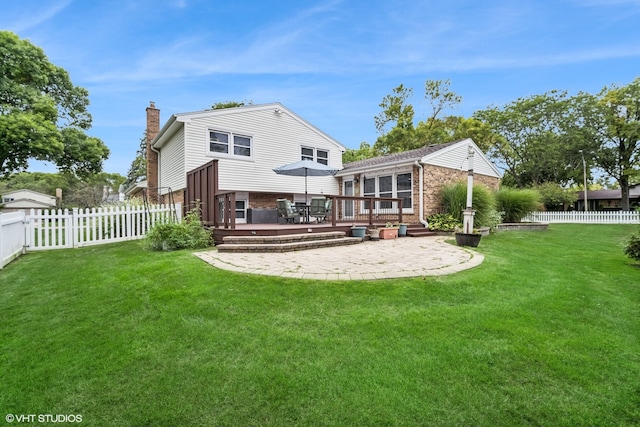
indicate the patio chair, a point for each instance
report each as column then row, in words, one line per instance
column 286, row 211
column 319, row 208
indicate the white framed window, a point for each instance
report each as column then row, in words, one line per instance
column 218, row 142
column 307, row 153
column 314, row 154
column 397, row 185
column 221, row 142
column 404, row 190
column 322, row 156
column 241, row 211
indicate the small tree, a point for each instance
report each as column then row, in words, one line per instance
column 554, row 197
column 632, row 246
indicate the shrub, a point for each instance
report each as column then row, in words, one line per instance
column 632, row 246
column 453, row 199
column 187, row 234
column 443, row 222
column 517, row 203
column 554, row 197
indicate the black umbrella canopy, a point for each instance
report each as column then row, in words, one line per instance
column 305, row 168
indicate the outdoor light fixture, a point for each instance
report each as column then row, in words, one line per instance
column 278, row 111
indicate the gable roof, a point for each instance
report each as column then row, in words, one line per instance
column 28, row 198
column 395, row 158
column 428, row 154
column 176, row 121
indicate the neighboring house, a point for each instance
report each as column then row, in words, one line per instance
column 249, row 143
column 136, row 189
column 23, row 200
column 608, row 200
column 109, row 197
column 417, row 176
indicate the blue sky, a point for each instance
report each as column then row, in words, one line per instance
column 330, row 61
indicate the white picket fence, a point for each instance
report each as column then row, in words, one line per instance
column 12, row 237
column 595, row 217
column 56, row 229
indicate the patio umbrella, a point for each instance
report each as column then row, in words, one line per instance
column 305, row 168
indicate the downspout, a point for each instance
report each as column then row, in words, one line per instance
column 421, row 191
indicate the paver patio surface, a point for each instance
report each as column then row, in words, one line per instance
column 402, row 257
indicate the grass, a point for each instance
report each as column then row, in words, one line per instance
column 544, row 332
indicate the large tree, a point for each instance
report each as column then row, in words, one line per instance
column 615, row 127
column 395, row 122
column 43, row 116
column 540, row 139
column 138, row 169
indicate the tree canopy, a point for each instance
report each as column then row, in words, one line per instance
column 397, row 129
column 43, row 116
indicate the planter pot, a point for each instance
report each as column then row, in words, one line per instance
column 485, row 231
column 388, row 233
column 358, row 232
column 402, row 231
column 468, row 239
column 374, row 234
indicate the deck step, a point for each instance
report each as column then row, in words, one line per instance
column 283, row 238
column 420, row 233
column 418, row 230
column 286, row 242
column 287, row 246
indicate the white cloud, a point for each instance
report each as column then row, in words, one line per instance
column 36, row 15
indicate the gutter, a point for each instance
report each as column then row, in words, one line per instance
column 421, row 190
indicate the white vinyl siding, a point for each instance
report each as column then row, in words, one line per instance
column 455, row 158
column 275, row 140
column 171, row 171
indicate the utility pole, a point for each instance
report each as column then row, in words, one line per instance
column 584, row 175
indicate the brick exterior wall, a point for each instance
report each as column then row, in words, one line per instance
column 436, row 177
column 267, row 200
column 153, row 128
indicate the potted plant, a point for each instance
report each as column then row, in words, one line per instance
column 374, row 233
column 389, row 232
column 468, row 239
column 358, row 231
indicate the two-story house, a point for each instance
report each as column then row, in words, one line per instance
column 249, row 142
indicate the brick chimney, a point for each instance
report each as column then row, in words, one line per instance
column 153, row 128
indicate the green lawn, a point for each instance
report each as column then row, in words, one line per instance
column 545, row 332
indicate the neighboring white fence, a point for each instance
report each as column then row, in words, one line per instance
column 57, row 229
column 595, row 217
column 12, row 237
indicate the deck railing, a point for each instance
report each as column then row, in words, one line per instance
column 368, row 210
column 344, row 209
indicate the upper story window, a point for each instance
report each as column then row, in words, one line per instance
column 229, row 143
column 315, row 154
